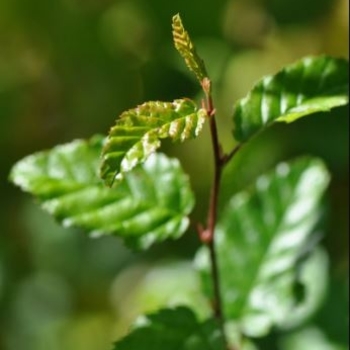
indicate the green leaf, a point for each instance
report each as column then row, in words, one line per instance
column 259, row 239
column 138, row 131
column 187, row 50
column 313, row 84
column 172, row 329
column 149, row 205
column 312, row 280
column 309, row 338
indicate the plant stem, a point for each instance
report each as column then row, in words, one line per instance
column 208, row 235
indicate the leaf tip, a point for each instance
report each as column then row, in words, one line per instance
column 185, row 47
column 176, row 18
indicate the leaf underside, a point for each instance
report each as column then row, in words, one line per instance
column 187, row 50
column 138, row 131
column 149, row 205
column 172, row 329
column 313, row 84
column 259, row 238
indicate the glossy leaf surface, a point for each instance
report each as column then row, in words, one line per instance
column 260, row 237
column 172, row 329
column 149, row 205
column 313, row 84
column 138, row 131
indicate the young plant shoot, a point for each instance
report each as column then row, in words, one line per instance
column 250, row 256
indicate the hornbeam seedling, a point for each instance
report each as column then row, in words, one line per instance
column 250, row 258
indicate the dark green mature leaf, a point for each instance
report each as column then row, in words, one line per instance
column 313, row 84
column 187, row 50
column 259, row 239
column 149, row 205
column 137, row 133
column 172, row 329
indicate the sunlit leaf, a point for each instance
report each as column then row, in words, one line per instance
column 312, row 282
column 138, row 131
column 149, row 205
column 309, row 338
column 187, row 50
column 260, row 238
column 313, row 84
column 172, row 329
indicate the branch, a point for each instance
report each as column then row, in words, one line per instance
column 207, row 235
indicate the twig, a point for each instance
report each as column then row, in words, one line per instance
column 207, row 235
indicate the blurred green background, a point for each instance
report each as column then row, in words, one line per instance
column 67, row 69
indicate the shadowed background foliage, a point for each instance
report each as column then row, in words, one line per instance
column 67, row 69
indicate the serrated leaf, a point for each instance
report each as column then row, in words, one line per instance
column 149, row 205
column 138, row 131
column 313, row 84
column 187, row 50
column 172, row 329
column 259, row 239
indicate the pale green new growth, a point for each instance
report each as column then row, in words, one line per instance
column 187, row 50
column 138, row 131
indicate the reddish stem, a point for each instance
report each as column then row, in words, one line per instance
column 208, row 235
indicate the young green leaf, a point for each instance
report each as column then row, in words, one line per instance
column 187, row 50
column 138, row 131
column 259, row 239
column 149, row 205
column 313, row 84
column 172, row 329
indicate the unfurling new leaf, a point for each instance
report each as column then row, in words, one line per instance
column 149, row 205
column 313, row 84
column 187, row 50
column 138, row 131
